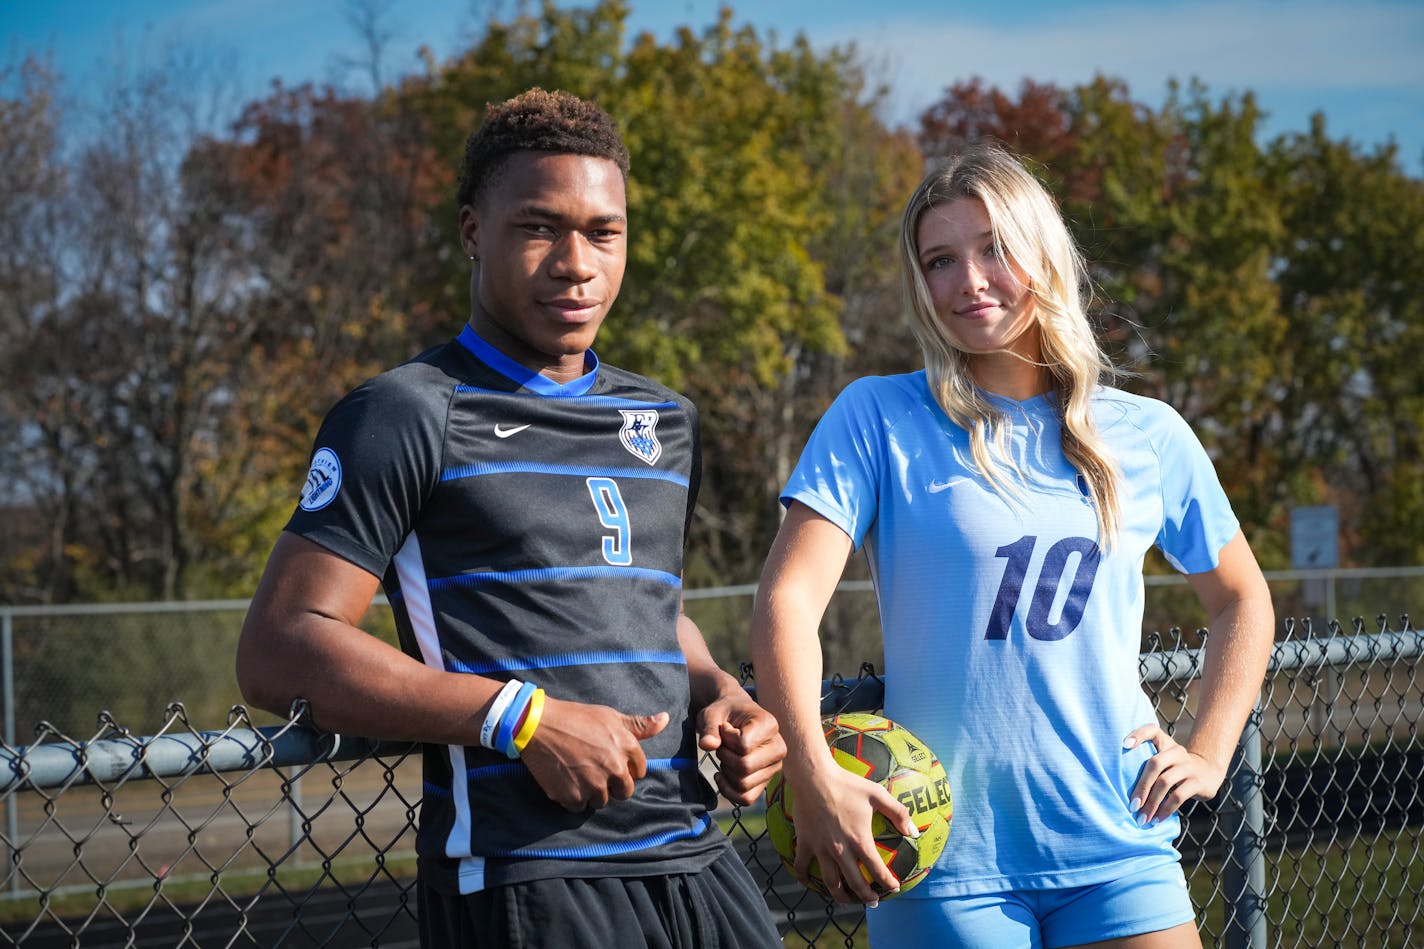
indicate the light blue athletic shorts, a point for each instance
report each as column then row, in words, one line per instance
column 1142, row 902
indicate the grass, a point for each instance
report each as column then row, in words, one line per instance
column 1335, row 894
column 129, row 897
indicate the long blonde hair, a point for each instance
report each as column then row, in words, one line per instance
column 1028, row 230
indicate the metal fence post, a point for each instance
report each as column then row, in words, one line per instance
column 7, row 663
column 294, row 817
column 1243, row 878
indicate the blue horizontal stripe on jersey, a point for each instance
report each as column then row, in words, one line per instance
column 671, row 764
column 608, row 850
column 592, row 400
column 502, row 770
column 546, row 574
column 608, row 658
column 491, row 771
column 529, row 467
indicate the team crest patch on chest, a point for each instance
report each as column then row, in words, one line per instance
column 639, row 434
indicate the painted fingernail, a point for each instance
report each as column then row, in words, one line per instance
column 1135, row 804
column 1129, row 742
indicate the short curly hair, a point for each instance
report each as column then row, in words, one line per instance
column 536, row 121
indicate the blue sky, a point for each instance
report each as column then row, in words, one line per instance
column 1361, row 63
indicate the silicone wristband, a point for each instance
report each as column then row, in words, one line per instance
column 504, row 736
column 497, row 710
column 531, row 722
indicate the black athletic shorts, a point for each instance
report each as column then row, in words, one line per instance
column 719, row 907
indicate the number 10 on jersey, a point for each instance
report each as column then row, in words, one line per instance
column 1049, row 590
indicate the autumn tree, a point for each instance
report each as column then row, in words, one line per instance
column 1348, row 394
column 39, row 504
column 124, row 371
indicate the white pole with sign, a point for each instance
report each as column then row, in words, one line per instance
column 1315, row 545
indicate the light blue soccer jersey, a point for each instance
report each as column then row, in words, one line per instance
column 1011, row 635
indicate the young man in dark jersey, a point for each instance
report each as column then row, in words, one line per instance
column 525, row 508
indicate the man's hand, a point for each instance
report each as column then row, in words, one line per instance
column 584, row 756
column 747, row 742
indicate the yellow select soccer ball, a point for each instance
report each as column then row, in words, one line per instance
column 880, row 750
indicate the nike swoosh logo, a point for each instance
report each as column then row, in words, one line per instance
column 935, row 487
column 502, row 432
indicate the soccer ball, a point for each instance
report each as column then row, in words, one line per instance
column 880, row 750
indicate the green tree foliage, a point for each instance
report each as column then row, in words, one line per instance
column 1349, row 391
column 1213, row 327
column 738, row 147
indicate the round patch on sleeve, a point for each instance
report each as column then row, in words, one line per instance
column 323, row 480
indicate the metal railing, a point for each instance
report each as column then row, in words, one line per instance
column 281, row 835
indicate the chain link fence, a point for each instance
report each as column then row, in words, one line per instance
column 272, row 834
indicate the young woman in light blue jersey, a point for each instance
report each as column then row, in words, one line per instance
column 1005, row 497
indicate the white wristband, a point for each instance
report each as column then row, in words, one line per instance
column 501, row 702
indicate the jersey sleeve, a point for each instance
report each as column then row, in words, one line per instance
column 839, row 472
column 376, row 458
column 1197, row 519
column 694, row 473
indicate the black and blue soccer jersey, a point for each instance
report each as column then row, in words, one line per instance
column 526, row 529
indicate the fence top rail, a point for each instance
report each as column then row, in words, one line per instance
column 1336, row 649
column 124, row 757
column 152, row 606
column 113, row 609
